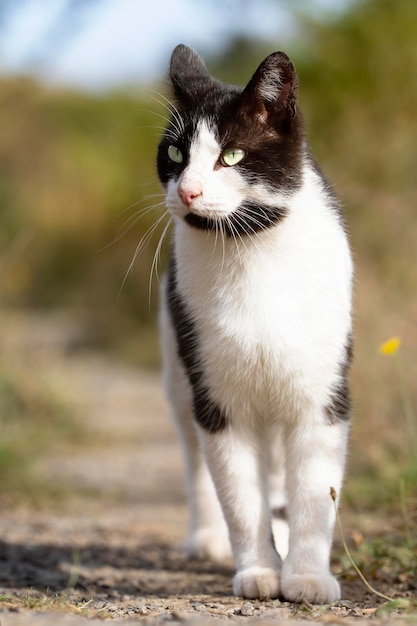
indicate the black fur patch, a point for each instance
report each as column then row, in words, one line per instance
column 249, row 219
column 339, row 408
column 207, row 414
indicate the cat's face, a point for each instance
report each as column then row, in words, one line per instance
column 230, row 156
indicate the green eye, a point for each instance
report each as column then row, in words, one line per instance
column 175, row 154
column 232, row 156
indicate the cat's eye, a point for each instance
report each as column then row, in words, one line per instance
column 232, row 156
column 175, row 154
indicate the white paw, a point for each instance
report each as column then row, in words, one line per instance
column 209, row 543
column 257, row 582
column 315, row 588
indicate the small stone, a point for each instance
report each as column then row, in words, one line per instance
column 179, row 615
column 247, row 609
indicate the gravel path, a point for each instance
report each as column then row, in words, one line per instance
column 112, row 550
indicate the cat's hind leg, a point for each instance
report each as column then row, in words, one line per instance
column 207, row 533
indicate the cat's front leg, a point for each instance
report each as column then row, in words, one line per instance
column 238, row 472
column 315, row 462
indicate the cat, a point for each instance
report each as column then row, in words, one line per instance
column 256, row 328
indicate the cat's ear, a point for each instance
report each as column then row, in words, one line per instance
column 188, row 74
column 272, row 91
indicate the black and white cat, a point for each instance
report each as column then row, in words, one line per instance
column 256, row 328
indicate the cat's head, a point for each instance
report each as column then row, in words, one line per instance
column 230, row 156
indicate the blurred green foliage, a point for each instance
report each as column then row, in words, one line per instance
column 74, row 169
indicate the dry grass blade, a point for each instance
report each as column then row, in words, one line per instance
column 333, row 495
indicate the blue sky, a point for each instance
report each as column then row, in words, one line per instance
column 106, row 43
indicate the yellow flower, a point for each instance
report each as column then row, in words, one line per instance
column 390, row 347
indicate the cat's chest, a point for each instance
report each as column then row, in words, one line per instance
column 269, row 318
column 245, row 293
column 246, row 339
column 247, row 309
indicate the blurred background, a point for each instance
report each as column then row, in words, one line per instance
column 80, row 116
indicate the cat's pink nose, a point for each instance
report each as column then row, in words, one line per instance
column 189, row 192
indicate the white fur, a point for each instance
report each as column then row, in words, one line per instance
column 272, row 311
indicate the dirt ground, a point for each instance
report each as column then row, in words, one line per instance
column 112, row 548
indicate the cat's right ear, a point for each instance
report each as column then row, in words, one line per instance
column 271, row 94
column 189, row 74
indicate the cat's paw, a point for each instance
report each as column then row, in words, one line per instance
column 257, row 582
column 315, row 588
column 209, row 543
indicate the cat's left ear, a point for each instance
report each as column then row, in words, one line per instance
column 272, row 91
column 188, row 74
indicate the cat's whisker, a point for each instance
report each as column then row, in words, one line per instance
column 156, row 256
column 174, row 111
column 216, row 237
column 252, row 216
column 141, row 245
column 242, row 218
column 159, row 98
column 167, row 131
column 141, row 212
column 133, row 219
column 220, row 229
column 156, row 114
column 235, row 236
column 170, row 107
column 174, row 133
column 150, row 196
column 136, row 217
column 146, row 183
column 242, row 224
column 173, row 124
